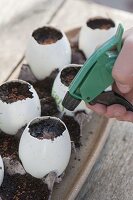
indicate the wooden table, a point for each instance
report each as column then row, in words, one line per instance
column 112, row 175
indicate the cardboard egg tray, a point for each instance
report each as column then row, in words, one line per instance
column 94, row 135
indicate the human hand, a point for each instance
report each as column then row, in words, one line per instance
column 123, row 75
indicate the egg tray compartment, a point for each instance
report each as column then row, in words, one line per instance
column 25, row 186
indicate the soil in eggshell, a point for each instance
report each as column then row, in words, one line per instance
column 22, row 187
column 68, row 74
column 14, row 91
column 100, row 23
column 46, row 129
column 47, row 35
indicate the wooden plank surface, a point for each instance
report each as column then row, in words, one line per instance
column 75, row 12
column 112, row 175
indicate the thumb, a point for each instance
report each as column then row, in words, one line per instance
column 123, row 68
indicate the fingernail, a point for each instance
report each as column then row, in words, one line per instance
column 123, row 88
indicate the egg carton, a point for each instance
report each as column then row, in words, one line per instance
column 88, row 134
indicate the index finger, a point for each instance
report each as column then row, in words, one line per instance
column 123, row 68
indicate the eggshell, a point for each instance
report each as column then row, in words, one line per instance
column 41, row 156
column 44, row 58
column 59, row 91
column 90, row 39
column 15, row 115
column 1, row 170
column 108, row 88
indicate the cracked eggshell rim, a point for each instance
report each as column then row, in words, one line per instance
column 90, row 39
column 40, row 157
column 43, row 59
column 1, row 170
column 58, row 92
column 14, row 116
column 108, row 89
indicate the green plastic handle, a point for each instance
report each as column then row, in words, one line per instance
column 96, row 74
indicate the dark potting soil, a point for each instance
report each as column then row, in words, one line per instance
column 47, row 35
column 100, row 23
column 46, row 129
column 78, row 56
column 44, row 87
column 48, row 106
column 23, row 187
column 14, row 91
column 68, row 74
column 8, row 146
column 73, row 128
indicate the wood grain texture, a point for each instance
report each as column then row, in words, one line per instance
column 15, row 32
column 76, row 12
column 112, row 176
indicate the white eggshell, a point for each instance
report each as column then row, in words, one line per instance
column 1, row 170
column 43, row 59
column 41, row 156
column 90, row 39
column 108, row 88
column 59, row 91
column 14, row 116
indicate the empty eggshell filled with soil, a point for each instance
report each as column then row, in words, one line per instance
column 94, row 33
column 19, row 103
column 48, row 49
column 45, row 146
column 1, row 170
column 60, row 88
